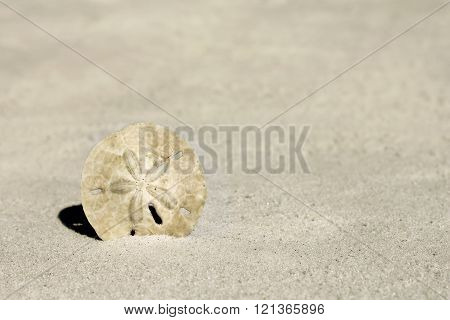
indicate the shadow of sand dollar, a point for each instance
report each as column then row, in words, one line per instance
column 73, row 217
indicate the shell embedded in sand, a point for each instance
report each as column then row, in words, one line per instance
column 142, row 180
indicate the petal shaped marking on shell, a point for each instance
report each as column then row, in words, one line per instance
column 136, row 207
column 132, row 163
column 122, row 186
column 164, row 198
column 149, row 159
column 157, row 171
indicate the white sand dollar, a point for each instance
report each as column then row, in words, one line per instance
column 142, row 180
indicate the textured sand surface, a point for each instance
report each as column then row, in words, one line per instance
column 379, row 148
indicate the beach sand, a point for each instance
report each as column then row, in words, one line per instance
column 370, row 221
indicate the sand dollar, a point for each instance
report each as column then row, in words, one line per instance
column 142, row 180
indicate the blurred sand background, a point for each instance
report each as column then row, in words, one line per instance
column 379, row 147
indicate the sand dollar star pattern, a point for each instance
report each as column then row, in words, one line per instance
column 144, row 181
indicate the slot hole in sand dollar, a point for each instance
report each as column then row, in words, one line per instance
column 96, row 191
column 132, row 233
column 154, row 214
column 185, row 211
